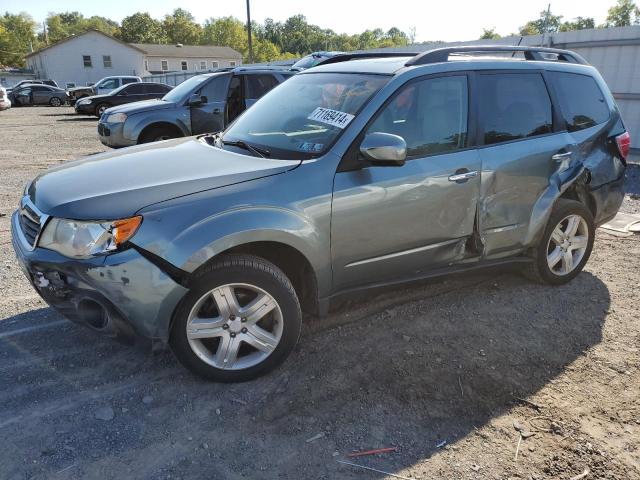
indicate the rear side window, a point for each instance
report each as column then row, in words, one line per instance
column 258, row 85
column 136, row 89
column 431, row 115
column 129, row 80
column 581, row 100
column 513, row 106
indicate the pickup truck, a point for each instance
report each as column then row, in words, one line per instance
column 103, row 86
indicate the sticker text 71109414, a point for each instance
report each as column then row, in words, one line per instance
column 335, row 118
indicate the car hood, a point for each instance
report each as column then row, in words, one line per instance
column 141, row 106
column 117, row 184
column 93, row 98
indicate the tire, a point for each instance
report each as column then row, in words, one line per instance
column 558, row 247
column 156, row 134
column 100, row 108
column 55, row 102
column 208, row 328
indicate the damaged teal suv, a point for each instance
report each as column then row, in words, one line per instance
column 366, row 170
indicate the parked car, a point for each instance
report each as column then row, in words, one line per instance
column 128, row 93
column 51, row 83
column 313, row 59
column 38, row 94
column 349, row 175
column 204, row 103
column 5, row 103
column 102, row 87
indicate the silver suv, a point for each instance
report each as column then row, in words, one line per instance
column 349, row 175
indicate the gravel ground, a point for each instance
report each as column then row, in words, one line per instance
column 442, row 370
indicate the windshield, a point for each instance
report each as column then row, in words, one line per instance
column 180, row 93
column 302, row 117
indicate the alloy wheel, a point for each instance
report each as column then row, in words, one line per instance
column 567, row 245
column 234, row 326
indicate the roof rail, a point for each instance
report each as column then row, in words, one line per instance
column 530, row 53
column 344, row 57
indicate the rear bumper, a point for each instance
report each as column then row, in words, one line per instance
column 608, row 198
column 122, row 295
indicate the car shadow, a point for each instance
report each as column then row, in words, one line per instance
column 78, row 119
column 410, row 366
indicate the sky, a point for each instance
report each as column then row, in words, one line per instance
column 433, row 20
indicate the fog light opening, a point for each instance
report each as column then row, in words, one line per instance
column 93, row 314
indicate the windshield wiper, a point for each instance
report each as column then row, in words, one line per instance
column 262, row 152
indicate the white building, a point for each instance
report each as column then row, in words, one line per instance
column 86, row 58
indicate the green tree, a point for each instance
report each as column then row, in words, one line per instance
column 17, row 38
column 226, row 31
column 62, row 25
column 622, row 14
column 141, row 28
column 489, row 34
column 578, row 23
column 547, row 22
column 180, row 27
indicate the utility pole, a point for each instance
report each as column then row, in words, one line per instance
column 545, row 28
column 249, row 32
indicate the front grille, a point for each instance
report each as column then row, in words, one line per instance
column 30, row 223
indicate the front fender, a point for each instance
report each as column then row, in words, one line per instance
column 136, row 123
column 202, row 241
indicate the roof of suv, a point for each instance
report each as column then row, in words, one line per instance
column 462, row 58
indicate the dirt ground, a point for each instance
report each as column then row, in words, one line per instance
column 442, row 370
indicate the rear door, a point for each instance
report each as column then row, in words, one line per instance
column 523, row 145
column 395, row 222
column 209, row 116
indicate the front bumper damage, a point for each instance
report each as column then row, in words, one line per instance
column 123, row 295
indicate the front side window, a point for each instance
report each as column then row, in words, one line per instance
column 164, row 65
column 306, row 114
column 513, row 106
column 431, row 115
column 182, row 92
column 86, row 60
column 106, row 61
column 581, row 100
column 183, row 65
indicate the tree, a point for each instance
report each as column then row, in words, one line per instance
column 17, row 38
column 578, row 23
column 180, row 27
column 547, row 22
column 141, row 28
column 62, row 25
column 227, row 31
column 489, row 34
column 622, row 14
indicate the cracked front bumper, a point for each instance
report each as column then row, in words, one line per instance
column 136, row 296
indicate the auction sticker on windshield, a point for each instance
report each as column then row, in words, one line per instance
column 335, row 118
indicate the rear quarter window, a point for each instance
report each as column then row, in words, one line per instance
column 582, row 102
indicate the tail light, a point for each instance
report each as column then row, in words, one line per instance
column 624, row 143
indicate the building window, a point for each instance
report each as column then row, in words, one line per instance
column 164, row 65
column 232, row 64
column 86, row 60
column 106, row 61
column 183, row 65
column 203, row 65
column 146, row 65
column 214, row 64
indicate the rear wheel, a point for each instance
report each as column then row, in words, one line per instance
column 100, row 108
column 566, row 244
column 240, row 320
column 55, row 102
column 156, row 134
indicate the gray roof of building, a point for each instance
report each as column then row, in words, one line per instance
column 199, row 51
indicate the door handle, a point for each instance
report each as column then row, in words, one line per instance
column 217, row 110
column 463, row 176
column 558, row 157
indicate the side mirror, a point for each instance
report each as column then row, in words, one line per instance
column 384, row 149
column 197, row 100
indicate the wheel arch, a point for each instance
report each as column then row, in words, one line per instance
column 160, row 124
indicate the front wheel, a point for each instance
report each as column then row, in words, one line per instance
column 157, row 134
column 241, row 319
column 566, row 244
column 55, row 102
column 101, row 108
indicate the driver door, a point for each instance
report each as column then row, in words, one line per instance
column 208, row 116
column 394, row 222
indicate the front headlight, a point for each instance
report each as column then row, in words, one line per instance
column 116, row 118
column 79, row 239
column 84, row 101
